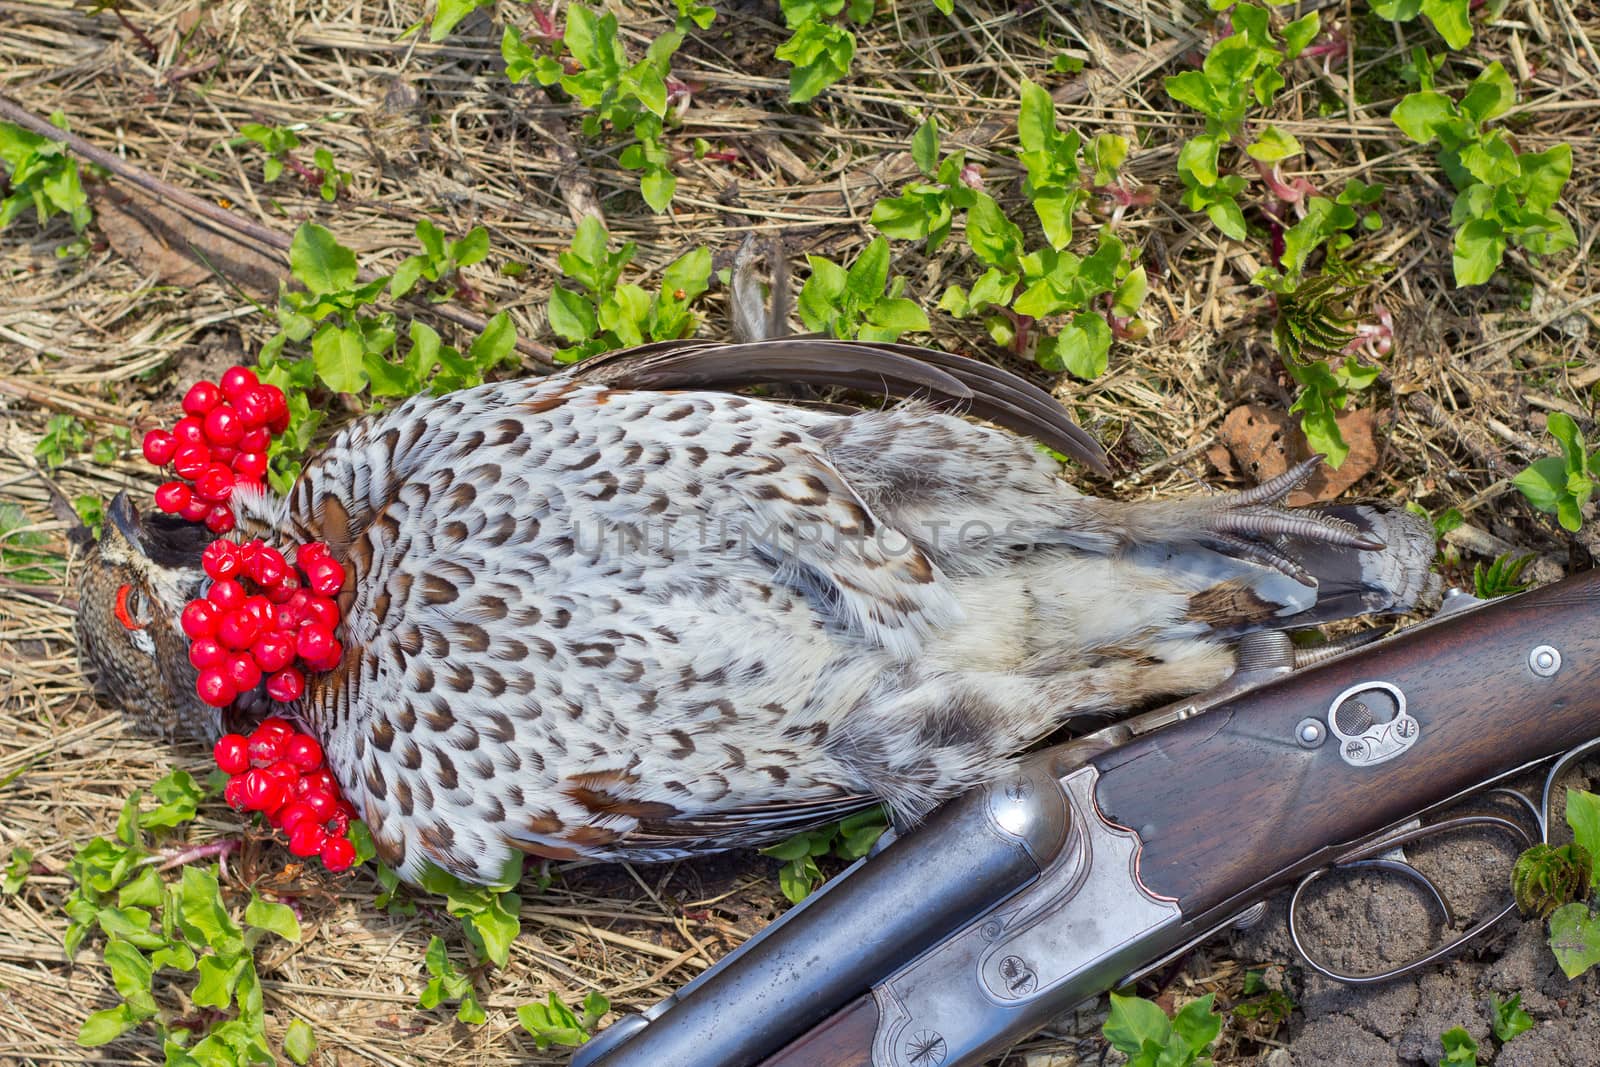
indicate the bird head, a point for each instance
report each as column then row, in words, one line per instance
column 132, row 589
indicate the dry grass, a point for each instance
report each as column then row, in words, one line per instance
column 1461, row 403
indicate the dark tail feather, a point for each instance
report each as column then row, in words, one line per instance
column 1394, row 579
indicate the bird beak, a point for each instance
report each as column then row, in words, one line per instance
column 126, row 519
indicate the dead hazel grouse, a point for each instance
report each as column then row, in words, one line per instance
column 619, row 612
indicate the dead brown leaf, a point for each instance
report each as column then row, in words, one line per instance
column 179, row 249
column 1259, row 442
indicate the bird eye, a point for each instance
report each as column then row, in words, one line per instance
column 131, row 608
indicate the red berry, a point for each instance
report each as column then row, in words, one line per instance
column 201, row 398
column 273, row 652
column 254, row 407
column 275, row 726
column 159, row 447
column 236, row 380
column 266, row 747
column 262, row 610
column 337, row 824
column 243, row 672
column 304, row 752
column 199, row 619
column 262, row 791
column 190, row 460
column 307, row 838
column 189, row 431
column 320, row 611
column 195, row 510
column 294, row 813
column 173, row 497
column 238, row 629
column 223, row 425
column 206, row 652
column 269, row 567
column 214, row 688
column 220, row 560
column 255, row 440
column 286, row 685
column 230, row 754
column 219, row 520
column 325, row 575
column 310, row 551
column 227, row 594
column 287, row 773
column 314, row 642
column 233, row 792
column 224, row 455
column 319, row 781
column 251, row 465
column 214, row 483
column 281, row 594
column 338, row 854
column 322, row 803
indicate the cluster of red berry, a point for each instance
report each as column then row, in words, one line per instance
column 278, row 771
column 220, row 442
column 237, row 637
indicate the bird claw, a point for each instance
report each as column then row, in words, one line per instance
column 1253, row 524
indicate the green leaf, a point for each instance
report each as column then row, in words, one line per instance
column 299, row 1042
column 1583, row 815
column 1451, row 19
column 1544, row 483
column 449, row 13
column 179, row 795
column 495, row 344
column 218, row 977
column 688, row 275
column 473, row 248
column 1197, row 161
column 1083, row 347
column 1479, row 247
column 552, row 1023
column 1134, row 1021
column 319, row 261
column 657, row 184
column 925, row 146
column 1197, row 1024
column 870, row 272
column 1459, row 1048
column 145, row 890
column 276, row 918
column 1299, row 33
column 104, row 1027
column 571, row 316
column 995, row 239
column 17, row 870
column 1273, row 145
column 821, row 55
column 337, row 351
column 202, row 915
column 1420, row 116
column 1130, row 294
column 1575, row 938
column 1509, row 1018
column 1227, row 216
column 130, row 971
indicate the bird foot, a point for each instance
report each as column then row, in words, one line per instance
column 1253, row 524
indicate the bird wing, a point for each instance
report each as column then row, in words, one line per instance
column 943, row 379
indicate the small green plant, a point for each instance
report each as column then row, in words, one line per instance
column 1459, row 1048
column 1451, row 18
column 439, row 262
column 20, row 557
column 1509, row 1019
column 1503, row 196
column 849, row 839
column 489, row 914
column 18, row 868
column 1562, row 485
column 632, row 99
column 607, row 313
column 42, row 176
column 279, row 143
column 299, row 1042
column 64, row 436
column 1447, row 520
column 926, row 210
column 852, row 303
column 1555, row 883
column 353, row 342
column 819, row 50
column 553, row 1023
column 188, row 926
column 447, row 983
column 447, row 15
column 1140, row 1030
column 1261, row 1001
column 1501, row 577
